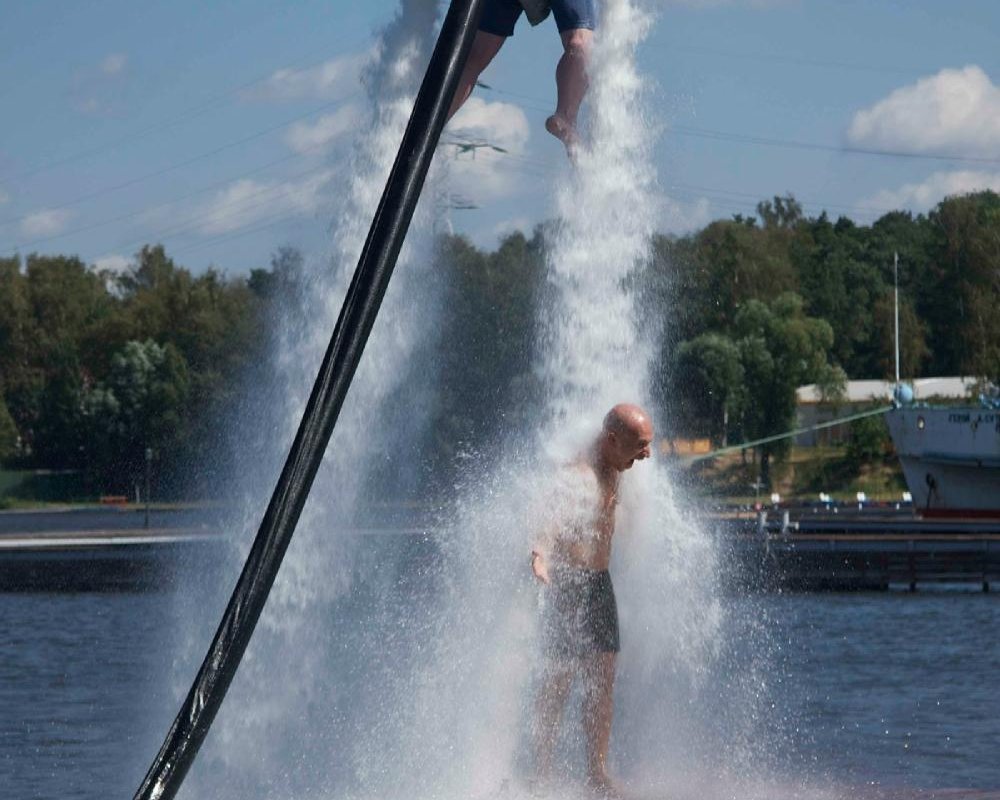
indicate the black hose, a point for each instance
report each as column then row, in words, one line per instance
column 378, row 258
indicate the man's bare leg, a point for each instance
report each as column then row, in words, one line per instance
column 484, row 47
column 571, row 85
column 548, row 713
column 598, row 707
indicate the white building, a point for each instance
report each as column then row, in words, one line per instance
column 811, row 410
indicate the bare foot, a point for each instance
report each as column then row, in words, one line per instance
column 564, row 131
column 604, row 787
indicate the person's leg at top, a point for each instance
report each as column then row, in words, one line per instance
column 575, row 20
column 496, row 25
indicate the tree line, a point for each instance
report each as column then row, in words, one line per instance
column 97, row 368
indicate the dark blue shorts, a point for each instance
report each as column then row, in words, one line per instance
column 499, row 16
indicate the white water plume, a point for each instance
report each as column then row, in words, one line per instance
column 600, row 350
column 284, row 697
column 405, row 666
column 462, row 712
column 594, row 340
column 596, row 348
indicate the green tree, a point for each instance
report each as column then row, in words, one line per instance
column 8, row 433
column 868, row 442
column 961, row 289
column 709, row 380
column 735, row 262
column 284, row 282
column 220, row 328
column 913, row 349
column 140, row 406
column 15, row 320
column 20, row 376
column 67, row 300
column 780, row 212
column 58, row 437
column 839, row 284
column 486, row 344
column 781, row 348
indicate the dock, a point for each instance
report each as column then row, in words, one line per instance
column 119, row 560
column 865, row 552
column 48, row 552
column 776, row 550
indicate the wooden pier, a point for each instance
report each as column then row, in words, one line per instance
column 824, row 553
column 798, row 550
column 101, row 560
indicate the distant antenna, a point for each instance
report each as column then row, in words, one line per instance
column 895, row 280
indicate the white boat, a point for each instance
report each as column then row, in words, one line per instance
column 950, row 457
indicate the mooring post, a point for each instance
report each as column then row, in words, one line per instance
column 913, row 566
column 986, row 566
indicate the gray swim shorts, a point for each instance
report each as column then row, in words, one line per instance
column 580, row 614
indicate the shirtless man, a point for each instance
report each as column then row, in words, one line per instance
column 575, row 20
column 580, row 618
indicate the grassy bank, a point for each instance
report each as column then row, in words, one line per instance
column 805, row 473
column 36, row 488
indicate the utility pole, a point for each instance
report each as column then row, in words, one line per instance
column 445, row 201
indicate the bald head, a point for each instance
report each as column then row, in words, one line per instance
column 627, row 417
column 626, row 436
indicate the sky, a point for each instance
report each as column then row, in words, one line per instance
column 220, row 129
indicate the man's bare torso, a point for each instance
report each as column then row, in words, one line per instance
column 591, row 549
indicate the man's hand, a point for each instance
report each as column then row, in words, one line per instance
column 538, row 567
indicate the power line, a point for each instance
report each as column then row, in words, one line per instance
column 490, row 88
column 237, row 235
column 268, row 194
column 165, row 204
column 805, row 201
column 187, row 162
column 211, row 104
column 528, row 166
column 798, row 61
column 707, row 133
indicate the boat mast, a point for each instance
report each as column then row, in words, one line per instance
column 895, row 280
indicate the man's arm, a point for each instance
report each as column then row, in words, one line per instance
column 568, row 506
column 538, row 566
column 541, row 550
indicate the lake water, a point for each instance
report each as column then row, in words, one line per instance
column 895, row 690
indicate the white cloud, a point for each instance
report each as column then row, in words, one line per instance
column 482, row 172
column 955, row 111
column 705, row 4
column 304, row 137
column 683, row 217
column 46, row 222
column 509, row 226
column 334, row 78
column 246, row 201
column 114, row 63
column 922, row 196
column 112, row 262
column 99, row 88
column 4, row 197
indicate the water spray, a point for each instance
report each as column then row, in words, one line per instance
column 361, row 306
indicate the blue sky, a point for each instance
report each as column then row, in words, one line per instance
column 217, row 128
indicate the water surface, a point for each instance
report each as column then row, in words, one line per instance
column 893, row 689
